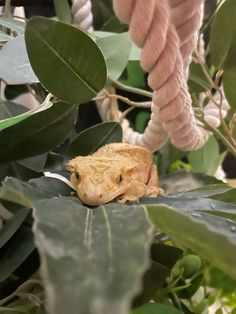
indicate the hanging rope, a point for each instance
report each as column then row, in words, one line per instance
column 166, row 31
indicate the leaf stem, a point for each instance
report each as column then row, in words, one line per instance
column 130, row 89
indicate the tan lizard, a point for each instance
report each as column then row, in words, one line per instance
column 118, row 171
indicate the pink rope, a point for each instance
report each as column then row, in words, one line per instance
column 166, row 32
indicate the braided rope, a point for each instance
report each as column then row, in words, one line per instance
column 167, row 38
column 81, row 11
column 83, row 17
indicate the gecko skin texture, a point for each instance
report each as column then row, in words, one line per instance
column 118, row 171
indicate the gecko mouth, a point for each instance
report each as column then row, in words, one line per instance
column 99, row 199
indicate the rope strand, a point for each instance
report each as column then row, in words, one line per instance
column 166, row 31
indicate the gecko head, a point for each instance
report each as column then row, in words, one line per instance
column 99, row 180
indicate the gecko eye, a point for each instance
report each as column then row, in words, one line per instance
column 119, row 178
column 77, row 176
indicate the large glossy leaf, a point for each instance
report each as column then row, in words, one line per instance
column 201, row 232
column 71, row 66
column 26, row 193
column 14, row 25
column 155, row 308
column 14, row 63
column 116, row 49
column 37, row 134
column 105, row 249
column 88, row 141
column 223, row 33
column 207, row 159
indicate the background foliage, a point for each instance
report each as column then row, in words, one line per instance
column 179, row 250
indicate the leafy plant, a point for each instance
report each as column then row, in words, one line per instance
column 174, row 254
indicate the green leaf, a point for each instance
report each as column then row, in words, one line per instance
column 10, row 109
column 201, row 232
column 207, row 159
column 219, row 280
column 14, row 63
column 71, row 66
column 134, row 75
column 14, row 25
column 223, row 33
column 105, row 249
column 186, row 203
column 27, row 193
column 114, row 25
column 227, row 47
column 229, row 77
column 116, row 49
column 197, row 81
column 33, row 133
column 18, row 248
column 163, row 258
column 16, row 170
column 220, row 192
column 34, row 163
column 18, row 113
column 165, row 254
column 150, row 287
column 63, row 10
column 228, row 213
column 141, row 121
column 12, row 225
column 183, row 181
column 102, row 11
column 155, row 308
column 88, row 141
column 54, row 162
column 135, row 53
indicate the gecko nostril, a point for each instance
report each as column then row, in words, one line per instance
column 100, row 196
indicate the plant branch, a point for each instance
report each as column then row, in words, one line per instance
column 214, row 84
column 130, row 89
column 26, row 285
column 144, row 104
column 230, row 146
column 7, row 9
